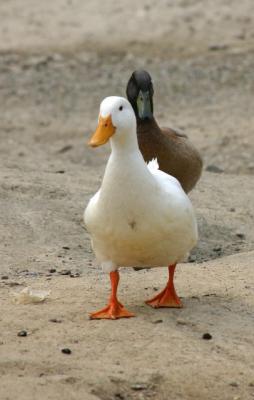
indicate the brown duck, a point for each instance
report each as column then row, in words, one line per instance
column 176, row 155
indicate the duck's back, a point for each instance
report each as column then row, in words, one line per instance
column 175, row 153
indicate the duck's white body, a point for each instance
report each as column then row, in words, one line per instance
column 140, row 216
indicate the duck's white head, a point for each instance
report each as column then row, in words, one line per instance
column 116, row 120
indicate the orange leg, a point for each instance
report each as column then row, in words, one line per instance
column 168, row 296
column 114, row 309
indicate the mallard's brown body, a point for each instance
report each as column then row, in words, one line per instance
column 176, row 155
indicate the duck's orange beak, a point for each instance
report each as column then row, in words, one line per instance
column 104, row 131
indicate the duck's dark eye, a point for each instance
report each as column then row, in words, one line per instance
column 120, row 108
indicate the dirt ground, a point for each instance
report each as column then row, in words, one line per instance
column 58, row 60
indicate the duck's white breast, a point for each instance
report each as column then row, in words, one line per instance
column 134, row 222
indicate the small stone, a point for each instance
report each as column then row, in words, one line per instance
column 119, row 396
column 217, row 248
column 158, row 321
column 234, row 384
column 5, row 277
column 214, row 169
column 238, row 234
column 209, row 294
column 114, row 379
column 192, row 258
column 55, row 320
column 75, row 275
column 139, row 386
column 12, row 284
column 65, row 272
column 52, row 270
column 70, row 379
column 181, row 322
column 60, row 171
column 22, row 333
column 66, row 248
column 217, row 47
column 65, row 148
column 66, row 351
column 207, row 336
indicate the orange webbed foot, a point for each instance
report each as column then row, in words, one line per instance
column 168, row 296
column 114, row 310
column 165, row 299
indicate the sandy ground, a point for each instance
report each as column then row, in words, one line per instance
column 57, row 61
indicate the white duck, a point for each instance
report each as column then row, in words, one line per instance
column 140, row 216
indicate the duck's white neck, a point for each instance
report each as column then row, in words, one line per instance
column 126, row 164
column 124, row 142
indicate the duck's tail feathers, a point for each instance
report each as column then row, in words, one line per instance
column 153, row 165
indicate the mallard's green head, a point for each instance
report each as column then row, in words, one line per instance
column 140, row 94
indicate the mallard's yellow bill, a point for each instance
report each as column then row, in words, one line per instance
column 104, row 131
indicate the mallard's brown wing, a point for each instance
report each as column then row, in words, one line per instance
column 175, row 153
column 174, row 134
column 179, row 157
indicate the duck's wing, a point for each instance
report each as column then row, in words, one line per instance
column 173, row 134
column 162, row 177
column 176, row 203
column 90, row 210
